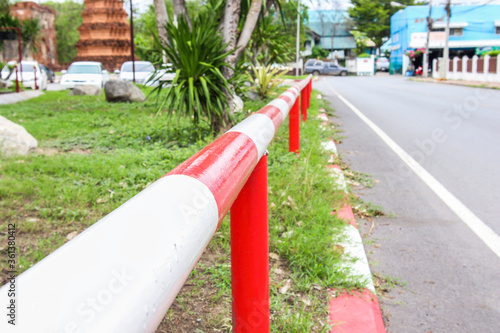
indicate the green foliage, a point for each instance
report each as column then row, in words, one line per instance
column 31, row 35
column 30, row 30
column 374, row 17
column 273, row 40
column 147, row 45
column 68, row 19
column 492, row 53
column 198, row 90
column 361, row 41
column 265, row 81
column 319, row 52
column 4, row 6
column 269, row 43
column 364, row 55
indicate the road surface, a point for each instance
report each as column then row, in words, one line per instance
column 438, row 243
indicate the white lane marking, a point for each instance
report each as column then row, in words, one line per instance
column 485, row 233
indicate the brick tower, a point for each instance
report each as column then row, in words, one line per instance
column 104, row 34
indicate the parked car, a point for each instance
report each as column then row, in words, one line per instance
column 143, row 71
column 325, row 68
column 382, row 64
column 29, row 70
column 84, row 73
column 51, row 76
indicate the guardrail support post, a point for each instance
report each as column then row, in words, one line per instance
column 309, row 91
column 294, row 128
column 34, row 73
column 304, row 102
column 250, row 254
column 17, row 81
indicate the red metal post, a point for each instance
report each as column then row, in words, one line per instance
column 17, row 80
column 250, row 254
column 309, row 91
column 303, row 102
column 34, row 73
column 20, row 52
column 294, row 128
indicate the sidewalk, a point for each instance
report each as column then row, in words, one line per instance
column 479, row 84
column 19, row 97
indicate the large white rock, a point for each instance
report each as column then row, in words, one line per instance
column 86, row 90
column 14, row 139
column 238, row 104
column 123, row 91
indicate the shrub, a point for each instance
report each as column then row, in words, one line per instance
column 265, row 80
column 199, row 88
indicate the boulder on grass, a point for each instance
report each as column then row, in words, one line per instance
column 14, row 139
column 86, row 90
column 238, row 104
column 123, row 91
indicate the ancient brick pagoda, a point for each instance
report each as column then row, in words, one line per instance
column 104, row 34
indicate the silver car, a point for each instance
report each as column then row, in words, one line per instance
column 317, row 67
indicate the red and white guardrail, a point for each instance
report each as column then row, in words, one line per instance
column 123, row 273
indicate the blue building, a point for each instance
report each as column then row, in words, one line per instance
column 472, row 28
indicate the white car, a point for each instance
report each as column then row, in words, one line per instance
column 143, row 71
column 84, row 73
column 26, row 74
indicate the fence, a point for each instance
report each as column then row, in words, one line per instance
column 123, row 273
column 485, row 69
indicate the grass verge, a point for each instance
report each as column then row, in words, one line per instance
column 93, row 156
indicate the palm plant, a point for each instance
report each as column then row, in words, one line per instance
column 199, row 89
column 266, row 80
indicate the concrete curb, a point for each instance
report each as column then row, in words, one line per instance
column 355, row 311
column 19, row 97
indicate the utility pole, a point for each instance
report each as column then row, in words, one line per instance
column 298, row 38
column 446, row 51
column 132, row 41
column 429, row 29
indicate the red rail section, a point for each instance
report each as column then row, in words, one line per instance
column 234, row 168
column 100, row 282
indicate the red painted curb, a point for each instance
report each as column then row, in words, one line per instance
column 356, row 312
column 347, row 215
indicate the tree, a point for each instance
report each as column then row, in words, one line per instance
column 374, row 17
column 238, row 20
column 273, row 40
column 30, row 29
column 68, row 19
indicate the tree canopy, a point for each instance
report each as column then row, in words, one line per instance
column 374, row 17
column 68, row 19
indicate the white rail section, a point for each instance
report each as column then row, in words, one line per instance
column 123, row 273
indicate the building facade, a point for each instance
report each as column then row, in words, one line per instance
column 330, row 29
column 472, row 29
column 104, row 34
column 46, row 46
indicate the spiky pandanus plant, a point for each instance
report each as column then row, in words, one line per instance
column 198, row 90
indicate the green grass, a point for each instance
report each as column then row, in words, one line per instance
column 94, row 156
column 293, row 77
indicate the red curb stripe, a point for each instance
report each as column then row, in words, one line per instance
column 356, row 312
column 223, row 166
column 347, row 215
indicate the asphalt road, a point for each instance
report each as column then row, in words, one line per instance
column 445, row 278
